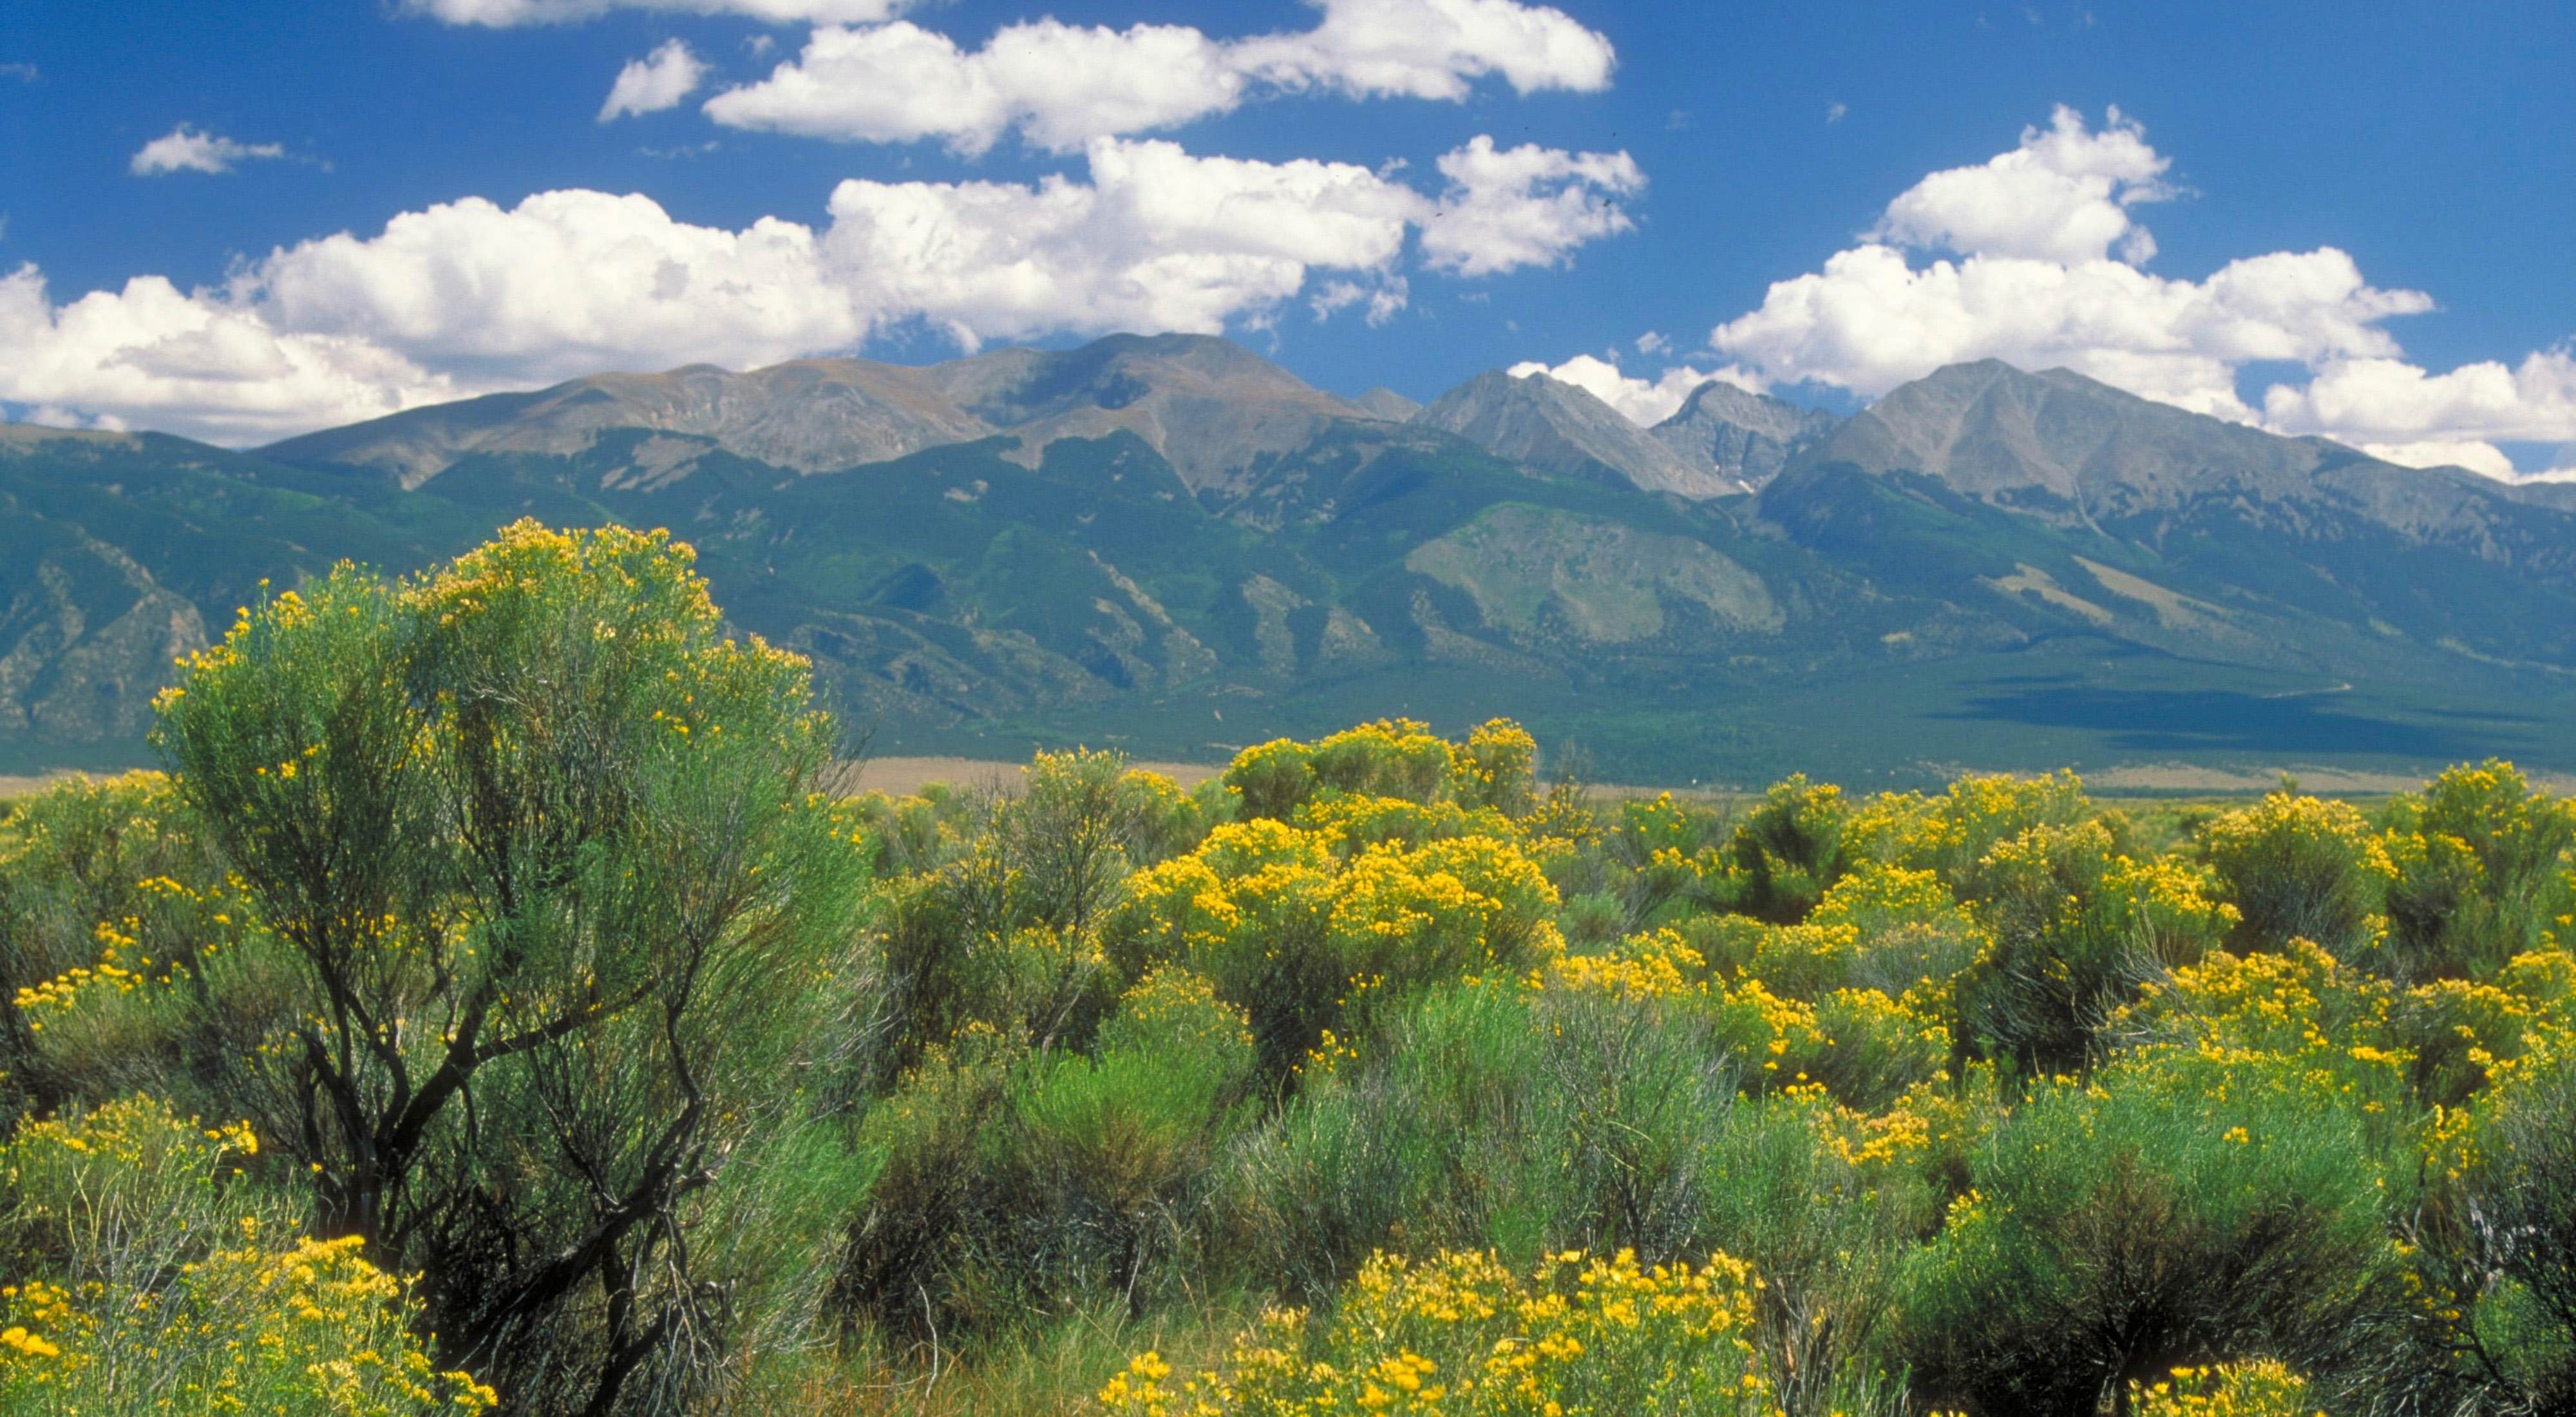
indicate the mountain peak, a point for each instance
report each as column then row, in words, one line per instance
column 810, row 415
column 1547, row 424
column 1742, row 437
column 1386, row 403
column 1211, row 407
column 2076, row 448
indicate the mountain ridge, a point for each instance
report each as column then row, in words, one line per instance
column 1545, row 423
column 1742, row 437
column 1146, row 538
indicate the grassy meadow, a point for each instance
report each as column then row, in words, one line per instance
column 496, row 1003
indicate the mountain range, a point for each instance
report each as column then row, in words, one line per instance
column 1171, row 544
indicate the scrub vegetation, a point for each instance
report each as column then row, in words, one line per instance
column 497, row 1005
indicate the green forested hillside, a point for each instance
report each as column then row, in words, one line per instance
column 1171, row 546
column 497, row 1003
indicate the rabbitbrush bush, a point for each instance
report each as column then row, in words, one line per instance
column 152, row 1276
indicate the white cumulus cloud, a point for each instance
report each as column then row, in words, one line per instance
column 1644, row 402
column 1434, row 49
column 1162, row 239
column 2410, row 415
column 1158, row 239
column 2044, row 267
column 188, row 149
column 1525, row 206
column 1380, row 300
column 151, row 355
column 564, row 283
column 1060, row 86
column 2063, row 195
column 505, row 13
column 469, row 296
column 655, row 82
column 2037, row 257
column 1871, row 320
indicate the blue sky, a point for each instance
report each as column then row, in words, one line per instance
column 2344, row 218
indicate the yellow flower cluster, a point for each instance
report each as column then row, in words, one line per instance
column 311, row 1329
column 213, row 1327
column 1656, row 965
column 1444, row 908
column 2263, row 1388
column 137, row 1133
column 1887, row 1143
column 1178, row 1011
column 1950, row 833
column 1463, row 1334
column 2241, row 836
column 1494, row 768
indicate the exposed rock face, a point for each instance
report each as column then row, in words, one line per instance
column 1992, row 431
column 1209, row 406
column 814, row 415
column 1212, row 408
column 1742, row 437
column 86, row 637
column 2078, row 452
column 1555, row 427
column 1386, row 403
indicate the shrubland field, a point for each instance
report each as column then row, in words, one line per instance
column 500, row 1004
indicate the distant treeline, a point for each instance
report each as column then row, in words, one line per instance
column 498, row 1006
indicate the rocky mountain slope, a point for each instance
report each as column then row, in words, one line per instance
column 1209, row 406
column 1557, row 428
column 1743, row 438
column 1172, row 544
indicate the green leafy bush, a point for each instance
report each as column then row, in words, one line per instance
column 2169, row 1214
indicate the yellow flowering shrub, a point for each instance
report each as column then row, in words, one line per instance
column 1270, row 780
column 2077, row 924
column 1290, row 930
column 1354, row 821
column 1246, row 889
column 314, row 1329
column 2299, row 868
column 2480, row 871
column 1788, row 850
column 1462, row 1334
column 1655, row 965
column 1775, row 1042
column 1932, row 1128
column 2170, row 910
column 107, row 893
column 1806, row 959
column 1907, row 934
column 2296, row 1011
column 2262, row 1388
column 1178, row 1014
column 1390, row 758
column 1950, row 834
column 2159, row 1207
column 2460, row 1033
column 1496, row 768
column 2285, row 1002
column 1396, row 757
column 1860, row 1044
column 1876, row 1047
column 181, row 1290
